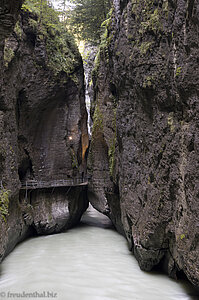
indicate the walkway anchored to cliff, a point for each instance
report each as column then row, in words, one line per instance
column 98, row 183
column 36, row 184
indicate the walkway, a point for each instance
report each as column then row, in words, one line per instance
column 35, row 184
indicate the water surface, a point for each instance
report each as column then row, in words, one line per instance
column 90, row 262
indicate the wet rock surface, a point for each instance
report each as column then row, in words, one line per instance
column 58, row 210
column 144, row 151
column 43, row 132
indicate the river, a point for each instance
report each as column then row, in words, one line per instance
column 89, row 262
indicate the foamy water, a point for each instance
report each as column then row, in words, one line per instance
column 90, row 262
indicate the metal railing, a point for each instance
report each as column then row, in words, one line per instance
column 39, row 184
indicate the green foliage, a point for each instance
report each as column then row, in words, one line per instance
column 96, row 64
column 178, row 71
column 151, row 21
column 43, row 9
column 8, row 55
column 74, row 159
column 105, row 42
column 86, row 18
column 32, row 6
column 33, row 24
column 106, row 28
column 165, row 8
column 182, row 236
column 4, row 203
column 145, row 46
column 148, row 15
column 97, row 121
column 18, row 29
column 62, row 52
column 148, row 82
column 170, row 121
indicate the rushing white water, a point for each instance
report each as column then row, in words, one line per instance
column 88, row 102
column 90, row 262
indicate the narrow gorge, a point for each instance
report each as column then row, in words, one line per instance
column 141, row 164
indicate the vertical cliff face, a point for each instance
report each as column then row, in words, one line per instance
column 43, row 130
column 144, row 149
column 9, row 10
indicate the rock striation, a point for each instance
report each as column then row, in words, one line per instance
column 43, row 129
column 144, row 151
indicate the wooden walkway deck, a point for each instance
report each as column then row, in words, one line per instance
column 34, row 184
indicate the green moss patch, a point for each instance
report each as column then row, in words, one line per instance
column 61, row 49
column 4, row 203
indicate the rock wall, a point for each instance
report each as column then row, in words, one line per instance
column 144, row 151
column 43, row 132
column 9, row 10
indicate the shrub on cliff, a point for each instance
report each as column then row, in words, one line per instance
column 62, row 52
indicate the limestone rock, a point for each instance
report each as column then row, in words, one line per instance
column 43, row 130
column 145, row 141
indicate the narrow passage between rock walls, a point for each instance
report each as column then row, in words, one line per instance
column 89, row 262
